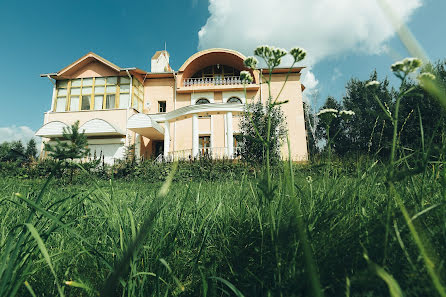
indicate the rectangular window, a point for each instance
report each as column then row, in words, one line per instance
column 62, row 83
column 111, row 89
column 76, row 82
column 99, row 90
column 85, row 102
column 87, row 82
column 62, row 92
column 75, row 91
column 98, row 102
column 113, row 80
column 124, row 88
column 204, row 141
column 99, row 81
column 86, row 90
column 109, row 93
column 60, row 103
column 161, row 106
column 74, row 103
column 204, row 144
column 124, row 100
column 110, row 102
column 125, row 80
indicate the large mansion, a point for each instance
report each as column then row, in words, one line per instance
column 175, row 114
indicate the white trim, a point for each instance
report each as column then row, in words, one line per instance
column 200, row 108
column 166, row 138
column 238, row 94
column 205, row 133
column 53, row 100
column 195, row 136
column 141, row 120
column 230, row 134
column 195, row 96
column 52, row 129
column 212, row 130
column 99, row 127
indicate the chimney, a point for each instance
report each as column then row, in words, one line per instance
column 160, row 62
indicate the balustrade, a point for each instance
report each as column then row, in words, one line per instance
column 213, row 81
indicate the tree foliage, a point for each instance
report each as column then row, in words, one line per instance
column 73, row 146
column 15, row 151
column 370, row 130
column 254, row 122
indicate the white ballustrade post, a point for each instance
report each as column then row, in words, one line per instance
column 194, row 135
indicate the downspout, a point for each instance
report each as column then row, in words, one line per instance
column 174, row 108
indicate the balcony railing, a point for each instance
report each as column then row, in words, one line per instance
column 213, row 81
column 209, row 152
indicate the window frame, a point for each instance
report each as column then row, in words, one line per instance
column 90, row 82
column 160, row 106
column 240, row 101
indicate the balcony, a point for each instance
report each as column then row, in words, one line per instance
column 215, row 83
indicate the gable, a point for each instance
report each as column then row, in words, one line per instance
column 93, row 69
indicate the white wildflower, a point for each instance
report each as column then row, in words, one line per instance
column 263, row 51
column 246, row 77
column 298, row 54
column 251, row 62
column 406, row 66
column 346, row 114
column 373, row 83
column 327, row 115
column 327, row 110
column 426, row 79
column 426, row 75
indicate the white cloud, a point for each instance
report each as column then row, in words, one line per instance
column 324, row 28
column 14, row 133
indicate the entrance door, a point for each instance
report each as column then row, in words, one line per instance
column 204, row 143
column 159, row 148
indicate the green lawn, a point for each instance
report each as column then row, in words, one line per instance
column 200, row 238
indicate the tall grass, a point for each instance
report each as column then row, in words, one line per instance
column 206, row 237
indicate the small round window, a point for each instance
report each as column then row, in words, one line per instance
column 234, row 100
column 202, row 101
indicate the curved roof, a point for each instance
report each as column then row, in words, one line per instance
column 99, row 127
column 212, row 51
column 212, row 56
column 51, row 129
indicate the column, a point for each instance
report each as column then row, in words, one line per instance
column 194, row 135
column 166, row 138
column 230, row 135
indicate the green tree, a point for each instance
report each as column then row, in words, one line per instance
column 338, row 129
column 419, row 106
column 370, row 130
column 31, row 149
column 73, row 146
column 255, row 119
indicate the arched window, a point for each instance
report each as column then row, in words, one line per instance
column 234, row 100
column 202, row 101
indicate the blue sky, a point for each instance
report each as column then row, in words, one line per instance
column 343, row 41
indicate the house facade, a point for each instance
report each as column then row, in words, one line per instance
column 168, row 114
